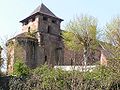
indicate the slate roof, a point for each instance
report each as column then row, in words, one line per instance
column 42, row 9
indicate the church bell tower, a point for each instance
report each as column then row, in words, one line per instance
column 46, row 27
column 39, row 42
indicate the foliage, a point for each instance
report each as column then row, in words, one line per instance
column 20, row 68
column 80, row 31
column 98, row 73
column 47, row 78
column 113, row 31
column 81, row 35
column 51, row 78
column 107, row 76
column 70, row 41
column 113, row 37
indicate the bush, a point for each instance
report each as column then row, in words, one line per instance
column 48, row 78
column 20, row 69
column 51, row 78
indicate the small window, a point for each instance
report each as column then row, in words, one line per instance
column 71, row 62
column 41, row 39
column 26, row 22
column 49, row 29
column 53, row 21
column 33, row 19
column 45, row 62
column 45, row 18
column 28, row 29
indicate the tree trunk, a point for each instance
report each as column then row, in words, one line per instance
column 85, row 57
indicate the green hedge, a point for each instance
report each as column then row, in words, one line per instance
column 48, row 78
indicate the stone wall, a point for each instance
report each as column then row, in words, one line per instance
column 10, row 55
column 31, row 25
column 27, row 51
column 76, row 58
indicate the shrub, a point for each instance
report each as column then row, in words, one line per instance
column 47, row 78
column 50, row 78
column 20, row 69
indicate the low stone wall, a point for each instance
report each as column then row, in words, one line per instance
column 78, row 68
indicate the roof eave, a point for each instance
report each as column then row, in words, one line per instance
column 28, row 17
column 38, row 13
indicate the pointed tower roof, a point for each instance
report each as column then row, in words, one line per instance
column 42, row 9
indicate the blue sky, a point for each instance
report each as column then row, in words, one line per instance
column 12, row 11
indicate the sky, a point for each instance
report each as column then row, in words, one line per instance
column 12, row 11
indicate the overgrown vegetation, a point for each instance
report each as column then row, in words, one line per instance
column 20, row 69
column 48, row 78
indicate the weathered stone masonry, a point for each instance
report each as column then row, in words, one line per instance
column 39, row 42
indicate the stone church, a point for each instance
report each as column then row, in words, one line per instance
column 40, row 42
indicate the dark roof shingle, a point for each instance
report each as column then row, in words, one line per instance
column 42, row 9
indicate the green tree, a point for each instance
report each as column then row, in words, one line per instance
column 81, row 34
column 113, row 37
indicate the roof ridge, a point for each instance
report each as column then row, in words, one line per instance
column 43, row 9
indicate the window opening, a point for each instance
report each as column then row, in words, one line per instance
column 49, row 28
column 28, row 29
column 33, row 19
column 41, row 39
column 53, row 21
column 45, row 18
column 26, row 22
column 45, row 60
